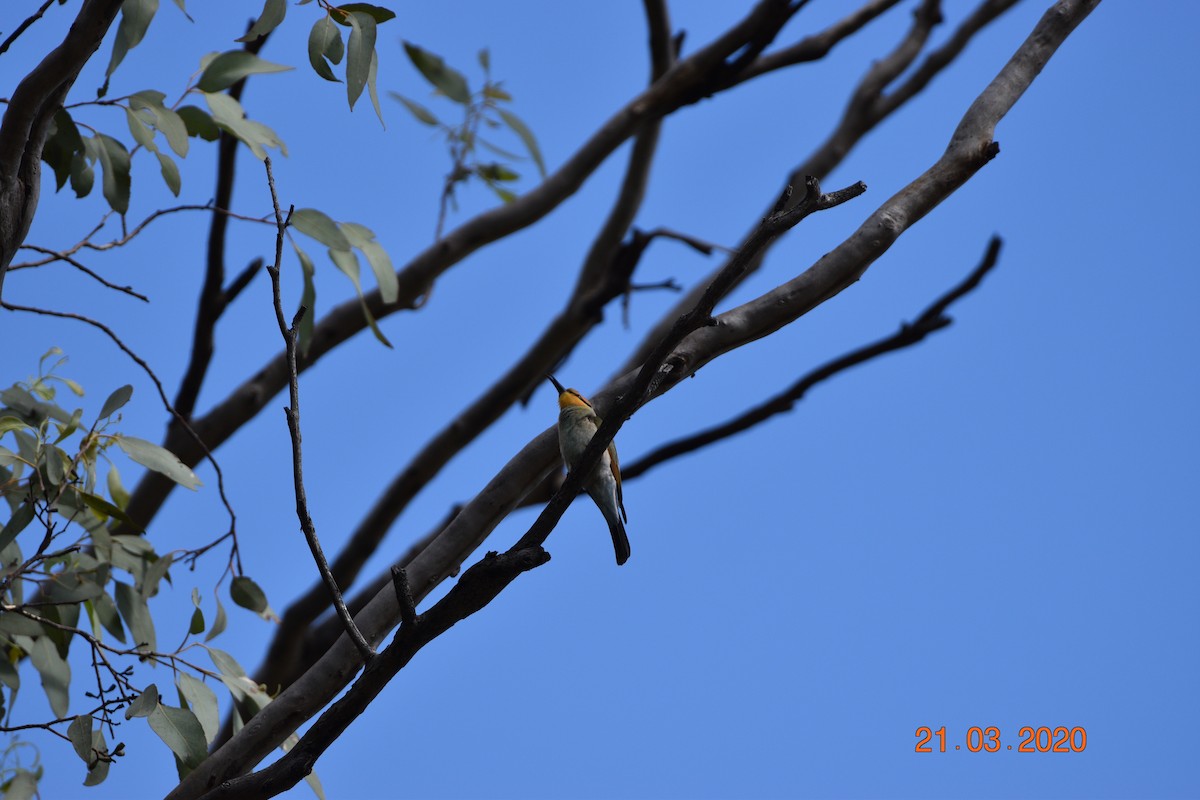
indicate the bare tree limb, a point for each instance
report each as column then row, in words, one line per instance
column 292, row 412
column 932, row 319
column 27, row 120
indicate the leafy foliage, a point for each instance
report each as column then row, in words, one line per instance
column 482, row 109
column 72, row 573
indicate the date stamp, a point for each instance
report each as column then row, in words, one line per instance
column 1030, row 739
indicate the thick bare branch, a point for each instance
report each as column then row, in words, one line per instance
column 213, row 298
column 27, row 119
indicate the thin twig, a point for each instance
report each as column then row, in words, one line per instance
column 293, row 420
column 21, row 28
column 929, row 321
column 57, row 256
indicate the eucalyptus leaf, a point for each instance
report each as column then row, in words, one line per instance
column 231, row 66
column 115, row 401
column 324, row 41
column 272, row 14
column 158, row 459
column 203, row 702
column 358, row 54
column 181, row 731
column 136, row 613
column 319, row 226
column 447, row 80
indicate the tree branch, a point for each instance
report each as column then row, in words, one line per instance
column 292, row 412
column 213, row 297
column 34, row 17
column 27, row 120
column 929, row 321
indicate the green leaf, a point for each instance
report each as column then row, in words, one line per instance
column 158, row 459
column 135, row 19
column 16, row 523
column 203, row 702
column 14, row 624
column 231, row 66
column 423, row 114
column 308, row 299
column 61, row 147
column 272, row 14
column 373, row 89
column 140, row 130
column 9, row 423
column 446, row 79
column 381, row 264
column 527, row 137
column 485, row 59
column 106, row 612
column 247, row 594
column 115, row 401
column 494, row 92
column 358, row 54
column 170, row 172
column 144, row 703
column 378, row 14
column 22, row 786
column 132, row 605
column 229, row 115
column 114, row 159
column 325, row 41
column 83, row 177
column 54, row 672
column 105, row 509
column 181, row 731
column 8, row 674
column 156, row 570
column 218, row 626
column 199, row 123
column 80, row 734
column 116, row 490
column 98, row 769
column 319, row 226
column 167, row 121
column 197, row 624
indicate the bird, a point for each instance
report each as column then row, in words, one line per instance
column 577, row 424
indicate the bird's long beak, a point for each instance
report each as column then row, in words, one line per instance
column 558, row 386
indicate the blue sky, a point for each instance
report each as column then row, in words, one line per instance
column 996, row 528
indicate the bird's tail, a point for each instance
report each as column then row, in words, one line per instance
column 617, row 529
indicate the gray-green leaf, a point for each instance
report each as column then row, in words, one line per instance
column 114, row 159
column 54, row 672
column 203, row 701
column 231, row 66
column 159, row 459
column 446, row 79
column 319, row 226
column 358, row 54
column 527, row 137
column 272, row 14
column 144, row 703
column 118, row 398
column 181, row 731
column 80, row 734
column 325, row 41
column 135, row 19
column 137, row 616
